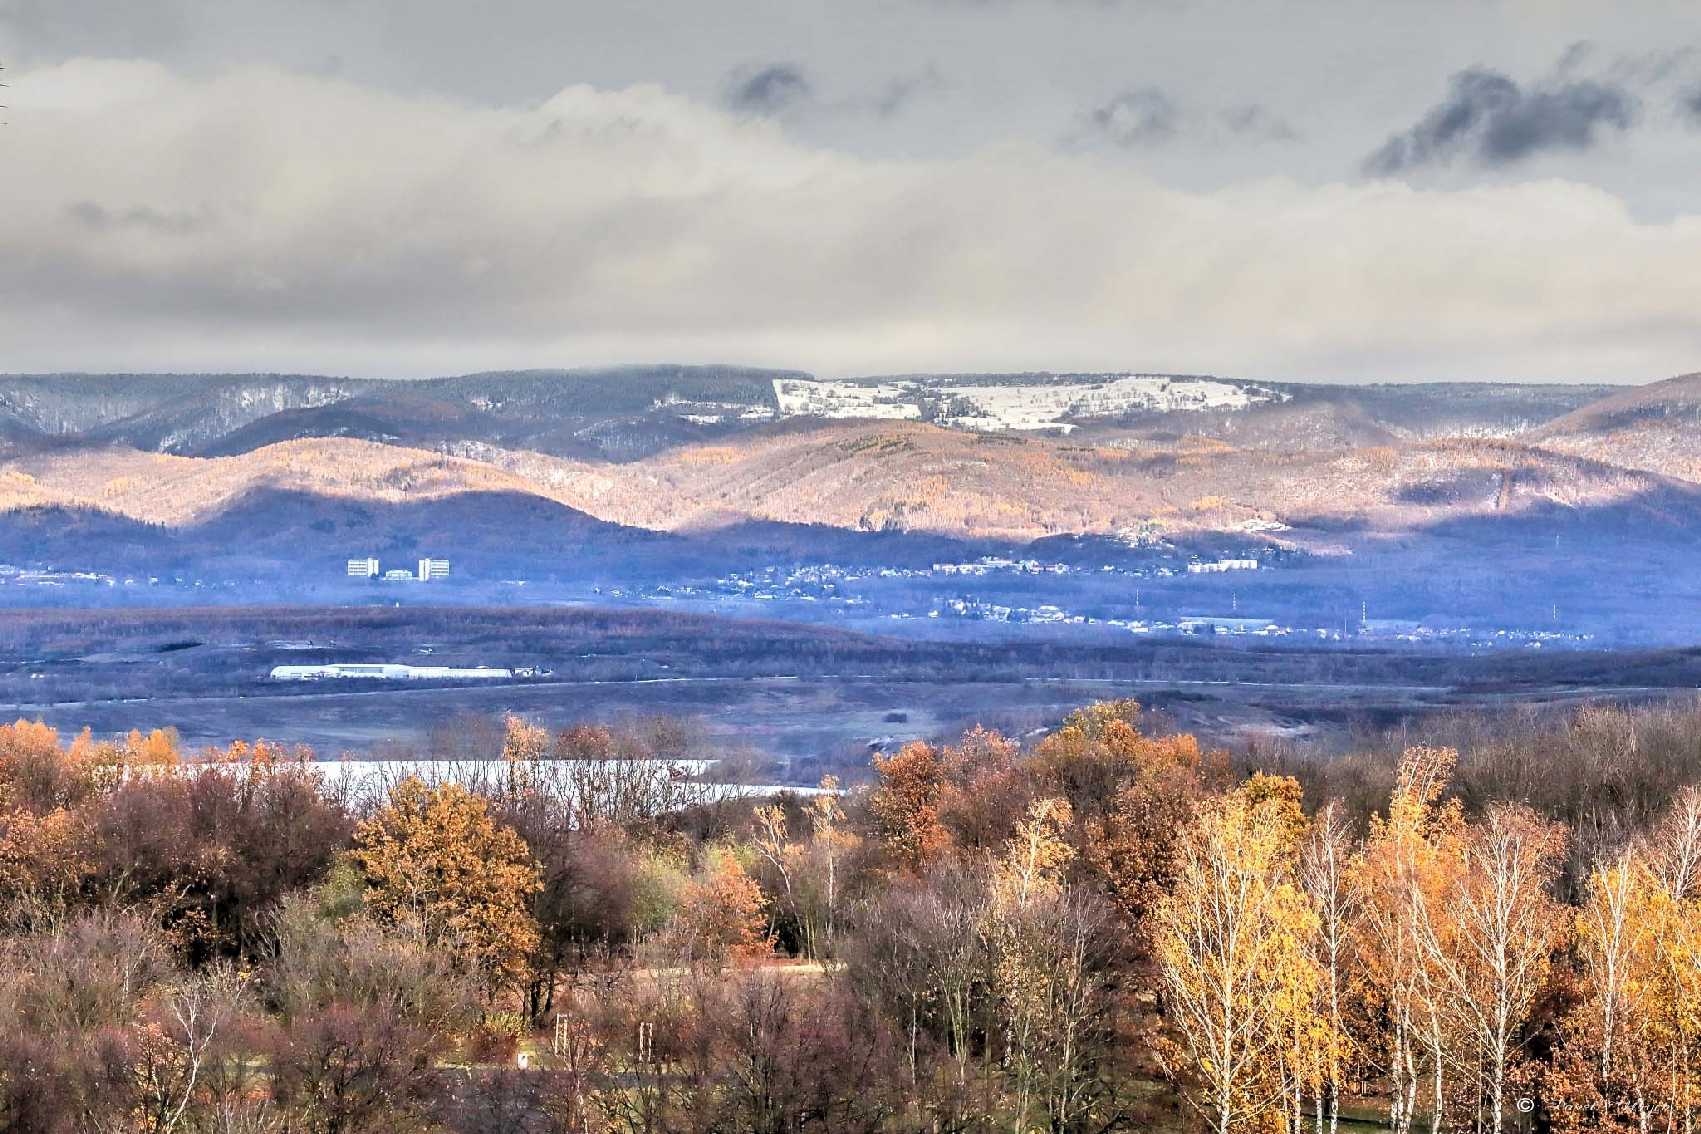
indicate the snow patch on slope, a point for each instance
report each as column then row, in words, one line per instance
column 798, row 398
column 991, row 406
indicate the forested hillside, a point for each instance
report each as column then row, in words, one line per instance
column 1358, row 502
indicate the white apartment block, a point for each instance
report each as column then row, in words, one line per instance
column 425, row 571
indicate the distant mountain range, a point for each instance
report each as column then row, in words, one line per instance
column 613, row 456
column 625, row 413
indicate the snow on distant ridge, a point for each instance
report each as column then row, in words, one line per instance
column 993, row 406
column 798, row 398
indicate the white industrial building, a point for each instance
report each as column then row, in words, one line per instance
column 430, row 569
column 362, row 568
column 387, row 671
column 1216, row 624
column 1222, row 565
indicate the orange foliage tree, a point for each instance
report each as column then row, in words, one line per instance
column 720, row 913
column 905, row 804
column 436, row 862
column 1131, row 793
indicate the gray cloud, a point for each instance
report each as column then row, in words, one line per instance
column 769, row 89
column 1489, row 118
column 1254, row 121
column 1645, row 69
column 899, row 94
column 1566, row 117
column 568, row 180
column 99, row 218
column 1136, row 117
column 480, row 240
column 1691, row 105
column 1149, row 115
column 1019, row 71
column 1575, row 57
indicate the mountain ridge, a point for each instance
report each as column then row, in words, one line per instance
column 633, row 447
column 627, row 413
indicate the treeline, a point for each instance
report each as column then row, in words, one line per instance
column 1106, row 929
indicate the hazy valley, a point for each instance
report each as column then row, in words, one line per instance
column 1146, row 530
column 684, row 475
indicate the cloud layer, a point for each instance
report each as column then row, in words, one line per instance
column 263, row 219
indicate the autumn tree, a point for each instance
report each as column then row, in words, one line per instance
column 157, row 748
column 38, row 773
column 44, row 861
column 1027, row 877
column 1234, row 942
column 1492, row 945
column 1401, row 883
column 905, row 804
column 1630, row 1049
column 522, row 741
column 988, row 787
column 84, row 1047
column 1049, row 954
column 437, row 863
column 364, row 1009
column 1131, row 793
column 524, row 744
column 720, row 913
column 1608, row 1069
column 1325, row 866
column 831, row 843
column 808, row 871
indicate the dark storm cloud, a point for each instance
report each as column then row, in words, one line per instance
column 1494, row 121
column 1136, row 117
column 769, row 89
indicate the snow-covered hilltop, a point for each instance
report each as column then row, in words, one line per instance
column 989, row 405
column 799, row 398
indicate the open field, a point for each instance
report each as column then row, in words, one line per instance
column 810, row 697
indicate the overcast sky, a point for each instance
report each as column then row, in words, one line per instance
column 1375, row 189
